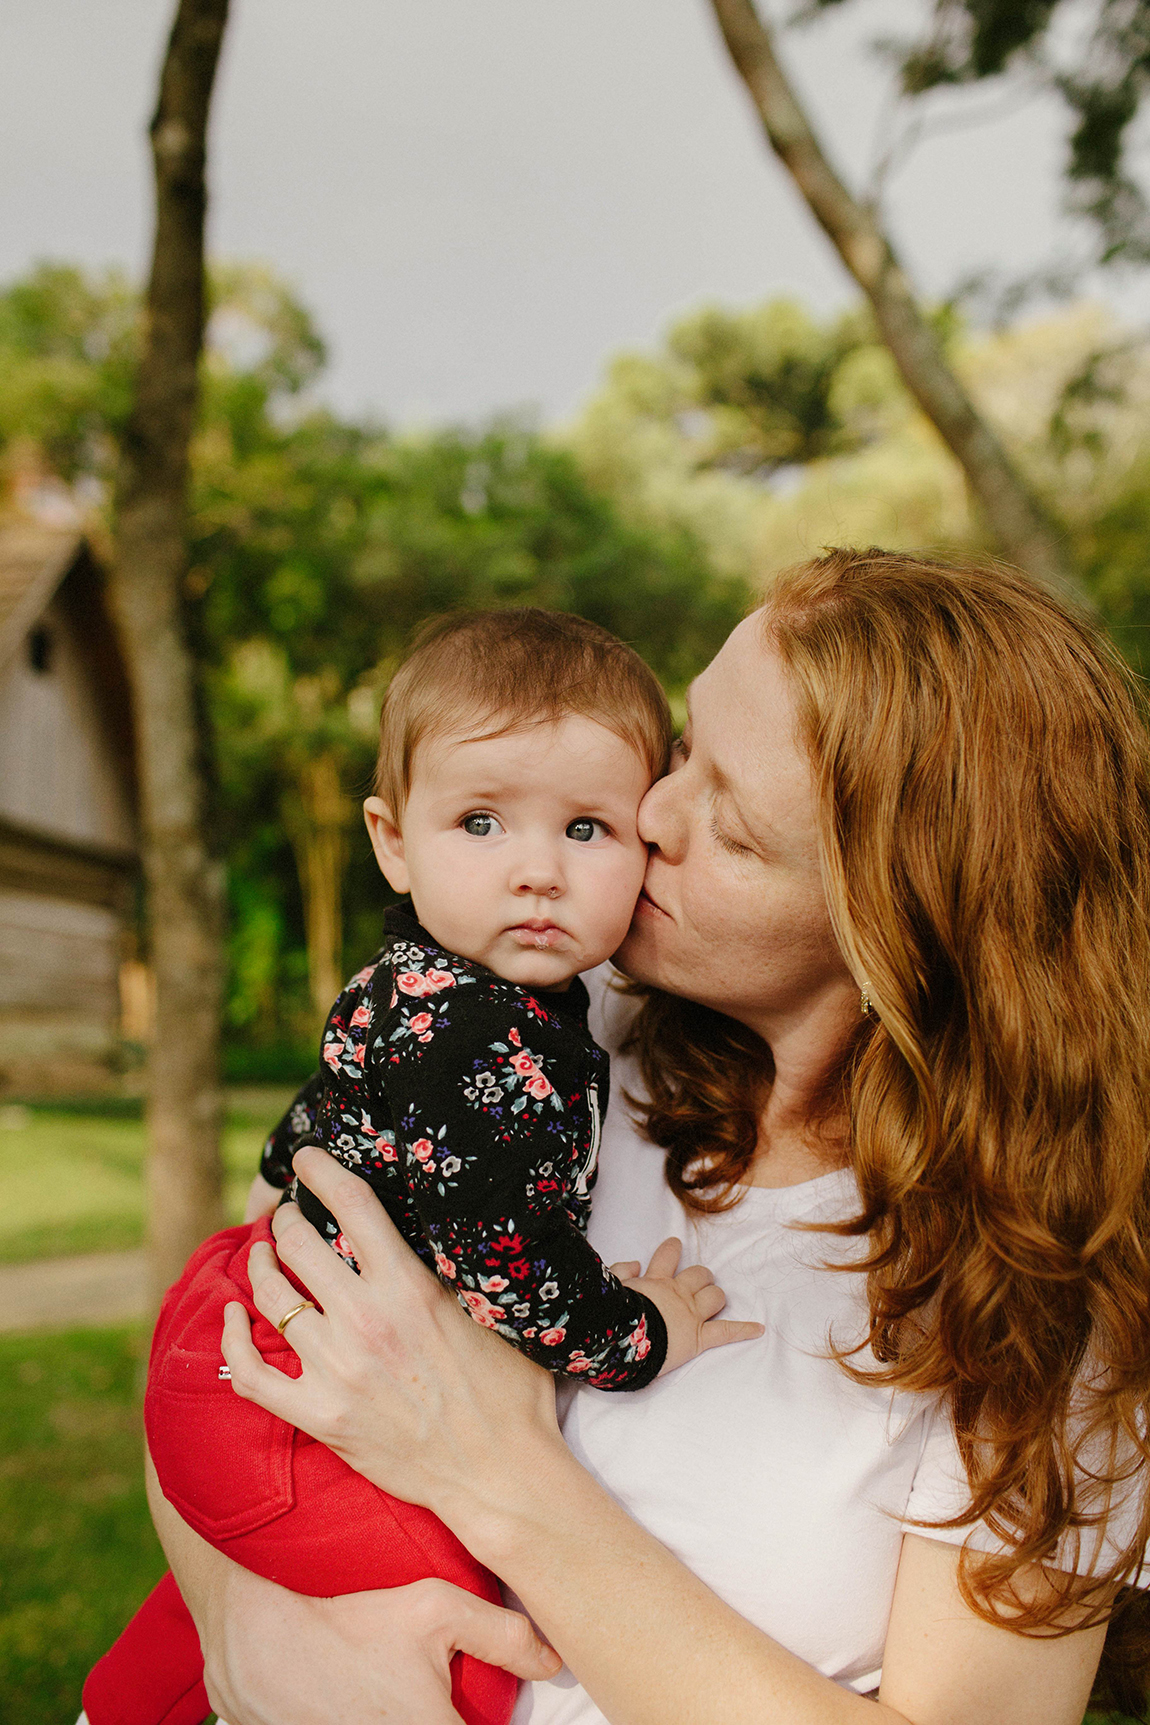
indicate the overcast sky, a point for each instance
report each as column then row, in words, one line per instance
column 482, row 200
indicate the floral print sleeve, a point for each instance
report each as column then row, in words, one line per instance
column 472, row 1108
column 498, row 1126
column 297, row 1127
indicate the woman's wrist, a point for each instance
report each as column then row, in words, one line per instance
column 499, row 1512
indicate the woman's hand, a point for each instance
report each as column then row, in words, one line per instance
column 397, row 1379
column 279, row 1658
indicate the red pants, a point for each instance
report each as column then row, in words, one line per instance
column 268, row 1496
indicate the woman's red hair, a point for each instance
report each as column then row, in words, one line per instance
column 982, row 774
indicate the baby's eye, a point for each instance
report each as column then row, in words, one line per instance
column 585, row 829
column 480, row 825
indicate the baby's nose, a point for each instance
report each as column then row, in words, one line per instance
column 539, row 875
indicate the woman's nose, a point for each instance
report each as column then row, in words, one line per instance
column 661, row 817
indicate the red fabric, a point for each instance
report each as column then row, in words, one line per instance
column 155, row 1672
column 268, row 1496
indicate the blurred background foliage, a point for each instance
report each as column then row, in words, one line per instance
column 318, row 546
column 748, row 439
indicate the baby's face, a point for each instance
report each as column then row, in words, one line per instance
column 521, row 851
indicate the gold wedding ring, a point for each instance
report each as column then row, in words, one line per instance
column 294, row 1313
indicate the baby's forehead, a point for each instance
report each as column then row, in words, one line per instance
column 506, row 755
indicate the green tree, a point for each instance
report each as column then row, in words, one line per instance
column 317, row 547
column 1097, row 60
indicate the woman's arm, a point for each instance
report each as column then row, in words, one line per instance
column 279, row 1658
column 408, row 1390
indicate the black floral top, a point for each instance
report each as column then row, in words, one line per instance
column 472, row 1108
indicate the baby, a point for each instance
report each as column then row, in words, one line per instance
column 459, row 1079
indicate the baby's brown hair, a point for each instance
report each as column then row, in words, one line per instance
column 499, row 670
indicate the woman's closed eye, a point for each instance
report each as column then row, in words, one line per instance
column 585, row 829
column 727, row 843
column 481, row 824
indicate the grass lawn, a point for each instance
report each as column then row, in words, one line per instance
column 77, row 1551
column 72, row 1177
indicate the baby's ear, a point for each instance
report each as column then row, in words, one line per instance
column 387, row 843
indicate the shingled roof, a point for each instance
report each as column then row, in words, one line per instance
column 34, row 559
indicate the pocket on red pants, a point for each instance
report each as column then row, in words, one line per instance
column 224, row 1463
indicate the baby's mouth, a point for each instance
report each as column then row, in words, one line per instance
column 538, row 934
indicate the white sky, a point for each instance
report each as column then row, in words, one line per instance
column 481, row 200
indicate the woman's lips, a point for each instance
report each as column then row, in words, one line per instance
column 538, row 934
column 647, row 904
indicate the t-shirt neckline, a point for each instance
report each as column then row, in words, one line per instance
column 804, row 1196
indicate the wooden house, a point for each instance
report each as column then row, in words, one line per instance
column 68, row 844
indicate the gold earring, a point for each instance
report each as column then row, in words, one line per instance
column 865, row 1006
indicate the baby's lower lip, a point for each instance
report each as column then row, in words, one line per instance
column 540, row 938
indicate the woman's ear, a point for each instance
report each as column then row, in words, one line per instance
column 387, row 843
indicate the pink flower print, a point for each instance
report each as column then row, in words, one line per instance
column 538, row 1085
column 524, row 1065
column 514, row 1037
column 421, row 1021
column 359, row 1053
column 421, row 1149
column 480, row 1308
column 639, row 1340
column 361, row 1015
column 579, row 1362
column 331, row 1053
column 426, row 1037
column 344, row 1247
column 552, row 1338
column 410, row 982
column 365, row 1125
column 493, row 1284
column 387, row 1153
column 436, row 980
column 361, row 976
column 445, row 1266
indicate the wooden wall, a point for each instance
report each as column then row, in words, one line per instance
column 67, row 857
column 59, row 993
column 60, row 774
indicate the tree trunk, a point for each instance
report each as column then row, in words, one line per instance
column 319, row 838
column 185, row 882
column 1023, row 530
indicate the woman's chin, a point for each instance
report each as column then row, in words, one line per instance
column 638, row 957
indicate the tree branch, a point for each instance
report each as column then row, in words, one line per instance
column 1024, row 531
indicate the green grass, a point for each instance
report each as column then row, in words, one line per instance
column 72, row 1174
column 77, row 1550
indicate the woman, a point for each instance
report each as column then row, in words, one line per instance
column 899, row 884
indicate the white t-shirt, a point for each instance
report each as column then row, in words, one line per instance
column 779, row 1481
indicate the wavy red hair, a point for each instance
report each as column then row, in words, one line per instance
column 982, row 774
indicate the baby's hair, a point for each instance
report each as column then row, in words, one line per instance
column 489, row 672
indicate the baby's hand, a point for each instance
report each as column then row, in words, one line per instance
column 689, row 1303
